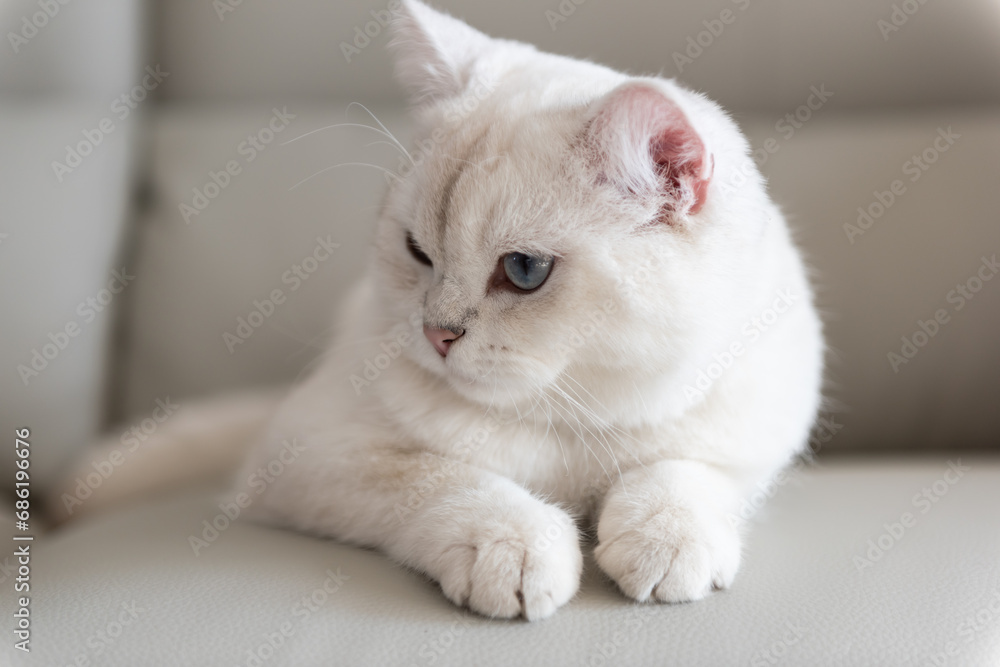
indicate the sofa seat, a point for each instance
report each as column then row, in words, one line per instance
column 853, row 562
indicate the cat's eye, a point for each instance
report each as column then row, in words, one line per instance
column 417, row 253
column 527, row 272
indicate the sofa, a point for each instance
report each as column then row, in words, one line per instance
column 165, row 166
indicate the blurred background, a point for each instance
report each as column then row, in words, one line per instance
column 151, row 203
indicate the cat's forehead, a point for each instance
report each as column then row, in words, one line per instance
column 488, row 185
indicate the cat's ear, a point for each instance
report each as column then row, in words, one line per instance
column 434, row 52
column 641, row 141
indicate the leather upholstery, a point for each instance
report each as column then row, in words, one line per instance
column 800, row 598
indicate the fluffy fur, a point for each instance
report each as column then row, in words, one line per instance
column 671, row 361
column 576, row 405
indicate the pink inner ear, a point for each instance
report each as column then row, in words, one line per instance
column 680, row 157
column 649, row 143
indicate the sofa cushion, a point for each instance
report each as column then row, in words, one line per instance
column 851, row 563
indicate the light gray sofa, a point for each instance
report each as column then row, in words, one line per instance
column 886, row 551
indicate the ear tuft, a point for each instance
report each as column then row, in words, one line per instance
column 647, row 146
column 434, row 52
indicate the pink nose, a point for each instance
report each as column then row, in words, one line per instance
column 441, row 339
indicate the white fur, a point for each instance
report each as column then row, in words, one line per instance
column 566, row 406
column 200, row 441
column 469, row 467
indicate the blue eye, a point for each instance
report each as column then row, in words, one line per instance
column 527, row 272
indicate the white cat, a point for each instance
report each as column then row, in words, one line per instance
column 582, row 310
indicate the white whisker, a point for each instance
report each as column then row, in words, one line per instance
column 346, row 164
column 385, row 134
column 384, row 129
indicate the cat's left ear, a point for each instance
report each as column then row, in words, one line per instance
column 643, row 143
column 435, row 53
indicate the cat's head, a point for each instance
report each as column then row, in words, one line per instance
column 562, row 228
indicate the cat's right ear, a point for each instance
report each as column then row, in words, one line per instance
column 434, row 53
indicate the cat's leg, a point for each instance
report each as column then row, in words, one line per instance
column 664, row 534
column 489, row 543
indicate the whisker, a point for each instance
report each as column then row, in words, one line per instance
column 519, row 418
column 384, row 129
column 382, row 143
column 580, row 437
column 549, row 426
column 385, row 134
column 605, row 424
column 569, row 423
column 346, row 164
column 605, row 445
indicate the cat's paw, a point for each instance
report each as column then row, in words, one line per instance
column 676, row 555
column 525, row 564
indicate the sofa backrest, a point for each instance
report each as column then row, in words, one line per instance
column 750, row 55
column 62, row 65
column 70, row 50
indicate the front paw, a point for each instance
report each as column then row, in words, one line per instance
column 524, row 563
column 675, row 555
